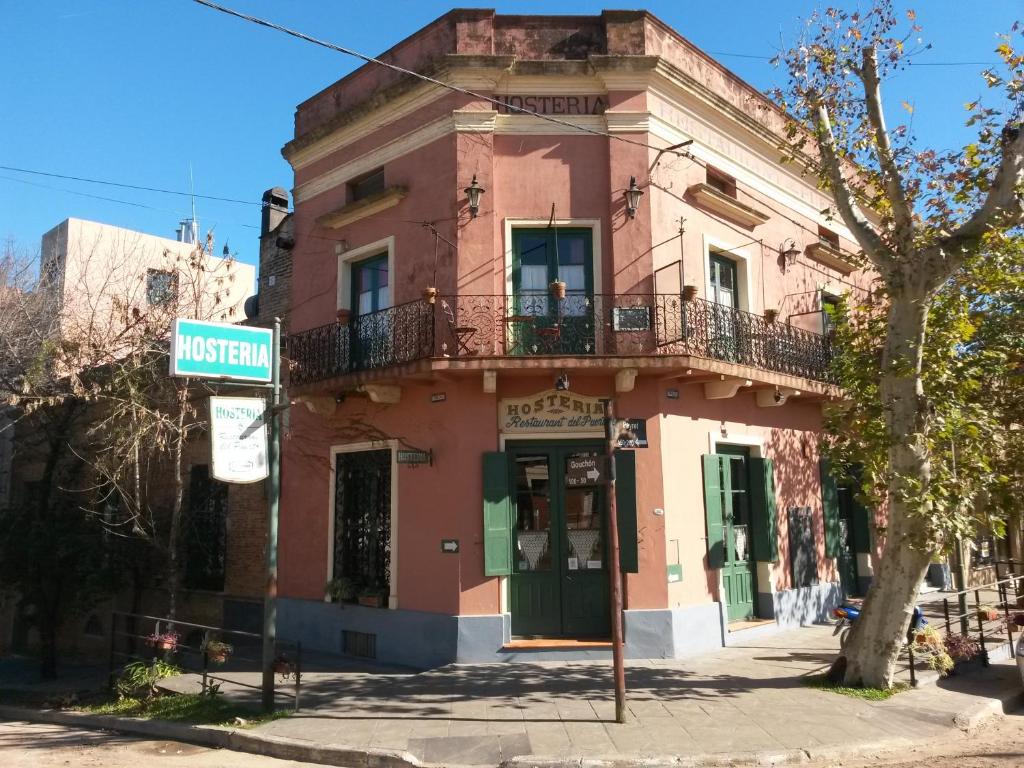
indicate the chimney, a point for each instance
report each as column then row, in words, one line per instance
column 275, row 208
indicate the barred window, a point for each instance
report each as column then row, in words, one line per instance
column 362, row 519
column 206, row 531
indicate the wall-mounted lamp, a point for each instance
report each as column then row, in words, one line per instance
column 779, row 397
column 632, row 195
column 473, row 192
column 789, row 251
column 562, row 382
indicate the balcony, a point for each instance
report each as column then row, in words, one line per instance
column 538, row 325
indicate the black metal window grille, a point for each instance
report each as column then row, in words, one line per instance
column 362, row 644
column 206, row 531
column 362, row 519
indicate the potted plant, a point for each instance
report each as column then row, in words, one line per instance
column 988, row 613
column 771, row 315
column 218, row 652
column 430, row 294
column 689, row 292
column 341, row 589
column 283, row 666
column 929, row 644
column 557, row 288
column 163, row 641
column 962, row 647
column 343, row 316
column 373, row 597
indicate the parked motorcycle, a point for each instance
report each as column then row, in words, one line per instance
column 847, row 615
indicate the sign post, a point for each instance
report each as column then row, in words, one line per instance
column 611, row 434
column 207, row 350
column 273, row 500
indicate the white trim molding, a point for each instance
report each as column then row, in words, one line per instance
column 345, row 259
column 372, row 445
column 754, row 442
column 744, row 273
column 594, row 225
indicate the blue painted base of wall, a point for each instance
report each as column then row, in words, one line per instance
column 427, row 640
column 807, row 605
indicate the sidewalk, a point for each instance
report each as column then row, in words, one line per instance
column 745, row 701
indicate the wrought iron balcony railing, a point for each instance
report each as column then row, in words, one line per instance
column 537, row 324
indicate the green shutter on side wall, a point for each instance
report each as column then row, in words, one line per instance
column 764, row 516
column 497, row 515
column 830, row 508
column 625, row 510
column 716, row 503
column 863, row 519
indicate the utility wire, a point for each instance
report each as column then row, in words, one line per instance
column 127, row 186
column 86, row 194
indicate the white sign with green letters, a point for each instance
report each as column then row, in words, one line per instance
column 238, row 439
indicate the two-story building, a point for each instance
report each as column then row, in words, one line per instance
column 589, row 208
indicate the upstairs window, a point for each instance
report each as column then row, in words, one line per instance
column 367, row 185
column 161, row 286
column 829, row 313
column 829, row 238
column 722, row 182
column 722, row 281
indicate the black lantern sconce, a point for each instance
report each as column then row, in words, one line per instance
column 788, row 251
column 473, row 192
column 632, row 194
column 562, row 382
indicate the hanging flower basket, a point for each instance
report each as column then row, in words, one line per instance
column 163, row 641
column 430, row 294
column 988, row 613
column 218, row 652
column 557, row 288
column 689, row 292
column 771, row 315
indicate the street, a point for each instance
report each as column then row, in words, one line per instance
column 999, row 744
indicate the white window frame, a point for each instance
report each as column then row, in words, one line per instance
column 373, row 445
column 744, row 272
column 594, row 225
column 347, row 258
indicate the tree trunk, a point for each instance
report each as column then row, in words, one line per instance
column 881, row 629
column 174, row 532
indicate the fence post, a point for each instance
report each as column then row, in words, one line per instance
column 110, row 657
column 1006, row 615
column 206, row 658
column 945, row 610
column 981, row 627
column 298, row 673
column 910, row 654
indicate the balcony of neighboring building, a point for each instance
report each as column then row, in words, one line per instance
column 666, row 334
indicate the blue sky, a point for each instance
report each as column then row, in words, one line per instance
column 136, row 91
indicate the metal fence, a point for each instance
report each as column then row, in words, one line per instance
column 135, row 637
column 538, row 324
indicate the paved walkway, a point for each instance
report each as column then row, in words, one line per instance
column 746, row 698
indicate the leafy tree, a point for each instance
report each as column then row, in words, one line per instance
column 922, row 217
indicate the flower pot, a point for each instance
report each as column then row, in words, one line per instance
column 689, row 292
column 988, row 614
column 343, row 316
column 217, row 657
column 771, row 315
column 557, row 289
column 430, row 294
column 371, row 601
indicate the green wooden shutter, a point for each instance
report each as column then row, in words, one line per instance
column 717, row 502
column 764, row 517
column 863, row 518
column 497, row 515
column 830, row 507
column 625, row 510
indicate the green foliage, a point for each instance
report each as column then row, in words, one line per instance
column 870, row 694
column 196, row 709
column 973, row 392
column 138, row 680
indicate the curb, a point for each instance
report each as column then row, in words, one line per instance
column 281, row 747
column 969, row 718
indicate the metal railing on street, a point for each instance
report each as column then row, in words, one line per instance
column 136, row 637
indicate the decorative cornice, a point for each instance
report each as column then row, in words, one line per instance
column 518, row 124
column 360, row 209
column 474, row 120
column 710, row 198
column 628, row 122
column 823, row 253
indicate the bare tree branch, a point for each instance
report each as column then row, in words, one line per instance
column 874, row 247
column 891, row 178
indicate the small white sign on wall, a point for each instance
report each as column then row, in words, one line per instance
column 238, row 439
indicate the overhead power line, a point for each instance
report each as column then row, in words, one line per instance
column 128, row 186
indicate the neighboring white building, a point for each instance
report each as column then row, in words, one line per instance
column 102, row 271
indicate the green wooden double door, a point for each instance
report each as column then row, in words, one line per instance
column 548, row 516
column 739, row 500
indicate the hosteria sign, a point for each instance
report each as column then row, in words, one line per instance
column 238, row 443
column 551, row 411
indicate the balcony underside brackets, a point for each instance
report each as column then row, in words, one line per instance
column 382, row 393
column 772, row 398
column 625, row 379
column 724, row 388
